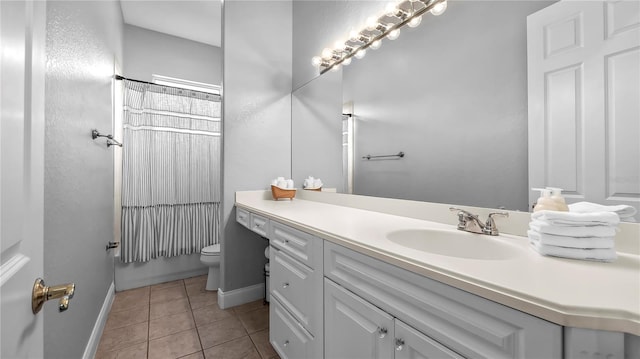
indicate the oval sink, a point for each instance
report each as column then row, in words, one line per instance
column 454, row 243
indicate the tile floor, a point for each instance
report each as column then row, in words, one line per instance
column 179, row 319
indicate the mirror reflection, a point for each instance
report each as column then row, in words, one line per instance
column 452, row 95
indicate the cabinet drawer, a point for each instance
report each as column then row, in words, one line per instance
column 298, row 288
column 287, row 337
column 299, row 245
column 466, row 323
column 259, row 224
column 242, row 216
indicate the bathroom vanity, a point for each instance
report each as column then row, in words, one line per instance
column 348, row 281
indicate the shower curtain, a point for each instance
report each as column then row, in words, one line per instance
column 171, row 171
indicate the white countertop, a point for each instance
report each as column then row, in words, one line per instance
column 584, row 294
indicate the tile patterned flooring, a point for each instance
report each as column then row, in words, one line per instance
column 179, row 319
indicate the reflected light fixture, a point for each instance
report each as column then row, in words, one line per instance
column 396, row 15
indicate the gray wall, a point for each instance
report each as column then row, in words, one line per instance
column 149, row 52
column 146, row 53
column 83, row 41
column 257, row 122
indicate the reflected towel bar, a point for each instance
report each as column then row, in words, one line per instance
column 399, row 155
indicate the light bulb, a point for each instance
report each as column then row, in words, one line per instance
column 354, row 35
column 376, row 44
column 393, row 34
column 316, row 61
column 439, row 8
column 390, row 9
column 327, row 53
column 339, row 44
column 415, row 21
column 335, row 67
column 346, row 61
column 360, row 53
column 372, row 23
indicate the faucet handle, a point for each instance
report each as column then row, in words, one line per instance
column 463, row 217
column 490, row 227
column 462, row 212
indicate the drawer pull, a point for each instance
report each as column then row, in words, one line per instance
column 399, row 344
column 382, row 332
column 285, row 285
column 286, row 342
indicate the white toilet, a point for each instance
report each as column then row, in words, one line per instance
column 210, row 256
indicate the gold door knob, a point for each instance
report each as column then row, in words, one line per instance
column 42, row 293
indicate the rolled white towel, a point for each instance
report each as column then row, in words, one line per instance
column 597, row 254
column 572, row 231
column 622, row 210
column 577, row 219
column 570, row 242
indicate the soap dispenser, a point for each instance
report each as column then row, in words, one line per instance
column 544, row 202
column 556, row 196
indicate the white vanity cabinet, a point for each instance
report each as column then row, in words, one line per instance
column 296, row 272
column 453, row 321
column 329, row 301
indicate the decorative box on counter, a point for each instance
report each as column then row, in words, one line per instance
column 278, row 192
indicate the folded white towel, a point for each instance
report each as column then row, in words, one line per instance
column 570, row 242
column 622, row 210
column 600, row 254
column 577, row 219
column 572, row 231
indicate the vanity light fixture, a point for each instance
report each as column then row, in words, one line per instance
column 407, row 12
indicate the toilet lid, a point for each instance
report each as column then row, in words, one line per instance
column 211, row 250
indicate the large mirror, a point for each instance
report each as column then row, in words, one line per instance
column 451, row 94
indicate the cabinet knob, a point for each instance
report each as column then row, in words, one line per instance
column 399, row 344
column 286, row 342
column 285, row 285
column 286, row 241
column 382, row 332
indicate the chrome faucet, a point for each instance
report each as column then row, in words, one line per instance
column 470, row 222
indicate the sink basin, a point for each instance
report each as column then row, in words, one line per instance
column 454, row 243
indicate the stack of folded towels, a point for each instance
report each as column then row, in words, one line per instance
column 588, row 236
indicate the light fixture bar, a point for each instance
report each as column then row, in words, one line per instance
column 368, row 37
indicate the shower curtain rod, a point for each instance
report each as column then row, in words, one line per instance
column 119, row 77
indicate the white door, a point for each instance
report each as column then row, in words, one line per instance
column 354, row 328
column 22, row 67
column 584, row 113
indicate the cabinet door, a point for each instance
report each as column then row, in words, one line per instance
column 353, row 327
column 411, row 344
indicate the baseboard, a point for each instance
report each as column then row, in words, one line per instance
column 240, row 296
column 125, row 283
column 92, row 346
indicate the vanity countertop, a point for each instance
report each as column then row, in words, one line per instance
column 574, row 293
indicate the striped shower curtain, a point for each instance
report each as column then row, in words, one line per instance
column 171, row 171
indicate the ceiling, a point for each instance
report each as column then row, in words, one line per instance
column 199, row 21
